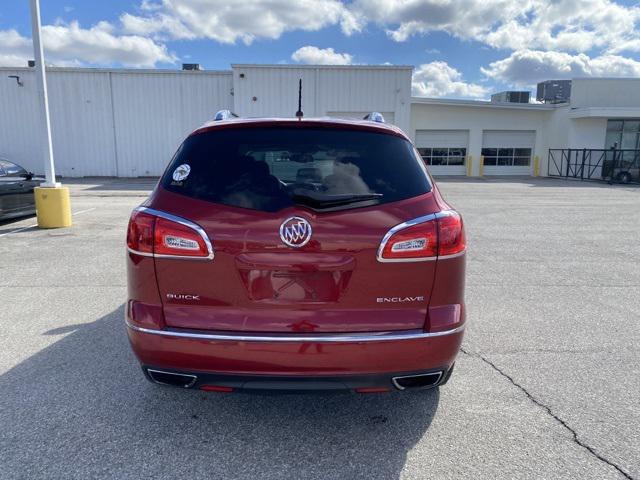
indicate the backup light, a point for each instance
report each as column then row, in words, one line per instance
column 415, row 244
column 180, row 243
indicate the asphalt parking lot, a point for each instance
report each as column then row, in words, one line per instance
column 547, row 385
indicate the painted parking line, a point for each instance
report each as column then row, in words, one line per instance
column 84, row 211
column 18, row 230
column 35, row 224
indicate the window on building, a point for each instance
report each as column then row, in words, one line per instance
column 443, row 156
column 507, row 157
column 623, row 134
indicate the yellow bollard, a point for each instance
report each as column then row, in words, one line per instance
column 53, row 207
column 469, row 163
column 536, row 166
column 481, row 165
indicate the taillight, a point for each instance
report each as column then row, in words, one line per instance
column 424, row 238
column 159, row 234
column 140, row 232
column 412, row 242
column 451, row 239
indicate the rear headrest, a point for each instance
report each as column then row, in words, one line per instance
column 260, row 169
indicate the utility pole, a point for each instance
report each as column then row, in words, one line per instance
column 53, row 206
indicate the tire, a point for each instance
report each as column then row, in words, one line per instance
column 623, row 177
column 447, row 376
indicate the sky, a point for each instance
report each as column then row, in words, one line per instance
column 459, row 48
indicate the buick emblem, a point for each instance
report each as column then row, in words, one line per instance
column 295, row 232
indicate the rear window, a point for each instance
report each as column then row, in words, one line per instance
column 273, row 168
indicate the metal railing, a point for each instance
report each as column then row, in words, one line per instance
column 613, row 165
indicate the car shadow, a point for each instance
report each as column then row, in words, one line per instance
column 80, row 408
column 10, row 223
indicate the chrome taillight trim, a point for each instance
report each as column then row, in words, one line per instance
column 294, row 338
column 397, row 228
column 411, row 223
column 182, row 221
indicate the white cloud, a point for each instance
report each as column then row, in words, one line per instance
column 14, row 49
column 70, row 44
column 463, row 18
column 321, row 56
column 527, row 67
column 571, row 25
column 438, row 79
column 230, row 22
column 158, row 26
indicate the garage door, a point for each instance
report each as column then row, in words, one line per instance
column 508, row 152
column 444, row 151
column 389, row 117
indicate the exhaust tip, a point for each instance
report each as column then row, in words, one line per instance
column 417, row 381
column 170, row 378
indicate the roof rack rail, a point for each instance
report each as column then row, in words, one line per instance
column 374, row 117
column 224, row 115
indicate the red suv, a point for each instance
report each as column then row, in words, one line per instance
column 284, row 254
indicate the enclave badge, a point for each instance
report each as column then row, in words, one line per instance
column 295, row 232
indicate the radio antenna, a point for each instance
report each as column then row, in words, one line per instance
column 299, row 113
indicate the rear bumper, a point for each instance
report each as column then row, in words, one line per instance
column 385, row 354
column 371, row 383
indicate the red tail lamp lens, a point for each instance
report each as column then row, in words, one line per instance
column 373, row 390
column 149, row 232
column 451, row 238
column 445, row 317
column 416, row 241
column 216, row 388
column 140, row 232
column 172, row 238
column 437, row 235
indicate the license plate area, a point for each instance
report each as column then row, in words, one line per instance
column 281, row 286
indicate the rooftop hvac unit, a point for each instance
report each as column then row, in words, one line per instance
column 554, row 91
column 191, row 66
column 510, row 97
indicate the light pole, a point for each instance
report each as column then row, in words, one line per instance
column 53, row 206
column 41, row 77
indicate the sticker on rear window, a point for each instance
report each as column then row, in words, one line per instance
column 181, row 172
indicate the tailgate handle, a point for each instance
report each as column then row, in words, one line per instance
column 295, row 261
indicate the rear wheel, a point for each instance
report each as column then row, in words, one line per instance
column 623, row 177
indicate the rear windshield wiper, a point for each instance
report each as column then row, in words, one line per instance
column 329, row 200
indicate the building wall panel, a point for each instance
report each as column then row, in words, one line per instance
column 605, row 92
column 19, row 119
column 82, row 124
column 273, row 92
column 107, row 122
column 155, row 112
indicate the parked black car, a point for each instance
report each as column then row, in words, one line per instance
column 16, row 190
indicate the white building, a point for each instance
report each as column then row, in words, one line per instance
column 128, row 123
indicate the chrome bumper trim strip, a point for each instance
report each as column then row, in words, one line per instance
column 318, row 338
